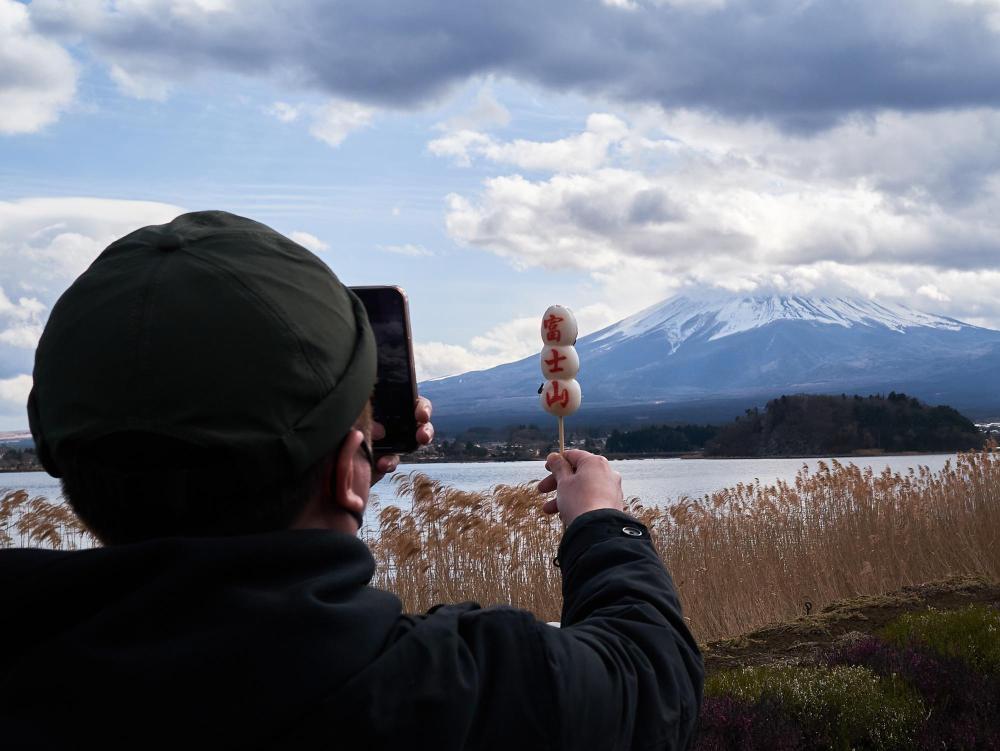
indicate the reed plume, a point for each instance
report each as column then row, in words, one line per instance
column 27, row 520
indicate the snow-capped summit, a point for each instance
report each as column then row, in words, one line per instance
column 740, row 350
column 682, row 317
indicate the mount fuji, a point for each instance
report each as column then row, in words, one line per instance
column 709, row 357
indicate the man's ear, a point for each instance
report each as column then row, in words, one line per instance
column 345, row 476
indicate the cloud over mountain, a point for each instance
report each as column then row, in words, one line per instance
column 894, row 205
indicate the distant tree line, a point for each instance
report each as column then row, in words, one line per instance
column 660, row 439
column 18, row 459
column 830, row 425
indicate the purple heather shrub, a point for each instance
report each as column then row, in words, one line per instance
column 963, row 705
column 960, row 733
column 839, row 707
column 728, row 723
column 971, row 634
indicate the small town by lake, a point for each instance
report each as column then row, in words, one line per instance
column 657, row 482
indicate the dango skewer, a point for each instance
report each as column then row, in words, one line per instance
column 560, row 394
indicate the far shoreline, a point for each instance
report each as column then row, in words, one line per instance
column 687, row 455
column 694, row 455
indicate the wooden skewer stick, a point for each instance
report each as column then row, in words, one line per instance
column 562, row 440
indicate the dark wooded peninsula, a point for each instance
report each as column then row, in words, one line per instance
column 660, row 439
column 804, row 425
column 813, row 425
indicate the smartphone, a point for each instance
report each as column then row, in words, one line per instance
column 396, row 385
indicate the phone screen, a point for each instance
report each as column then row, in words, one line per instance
column 396, row 385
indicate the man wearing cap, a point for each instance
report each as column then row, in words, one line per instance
column 203, row 392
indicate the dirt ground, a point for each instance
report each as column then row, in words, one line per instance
column 844, row 620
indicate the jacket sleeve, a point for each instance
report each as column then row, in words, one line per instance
column 623, row 672
column 624, row 667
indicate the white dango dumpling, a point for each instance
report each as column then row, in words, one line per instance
column 561, row 398
column 559, row 362
column 559, row 326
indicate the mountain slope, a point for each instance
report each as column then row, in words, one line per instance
column 744, row 350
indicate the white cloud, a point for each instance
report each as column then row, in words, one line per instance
column 182, row 7
column 337, row 119
column 485, row 112
column 138, row 85
column 519, row 337
column 14, row 395
column 307, row 240
column 623, row 4
column 969, row 295
column 889, row 206
column 284, row 111
column 931, row 291
column 991, row 9
column 566, row 222
column 460, row 145
column 26, row 309
column 331, row 123
column 437, row 360
column 698, row 4
column 584, row 152
column 37, row 76
column 24, row 336
column 407, row 249
column 507, row 341
column 20, row 322
column 688, row 4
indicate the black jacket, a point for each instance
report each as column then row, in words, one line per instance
column 277, row 641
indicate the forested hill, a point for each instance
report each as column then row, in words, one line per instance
column 660, row 439
column 833, row 425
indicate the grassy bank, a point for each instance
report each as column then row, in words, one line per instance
column 927, row 678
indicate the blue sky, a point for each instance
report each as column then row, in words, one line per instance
column 497, row 158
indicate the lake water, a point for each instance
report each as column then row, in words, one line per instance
column 654, row 481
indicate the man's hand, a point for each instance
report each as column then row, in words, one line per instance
column 425, row 434
column 583, row 482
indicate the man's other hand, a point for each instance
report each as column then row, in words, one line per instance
column 583, row 482
column 425, row 434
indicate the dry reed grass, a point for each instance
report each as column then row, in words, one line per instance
column 451, row 545
column 34, row 521
column 742, row 558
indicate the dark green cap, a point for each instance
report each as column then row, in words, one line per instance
column 214, row 330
